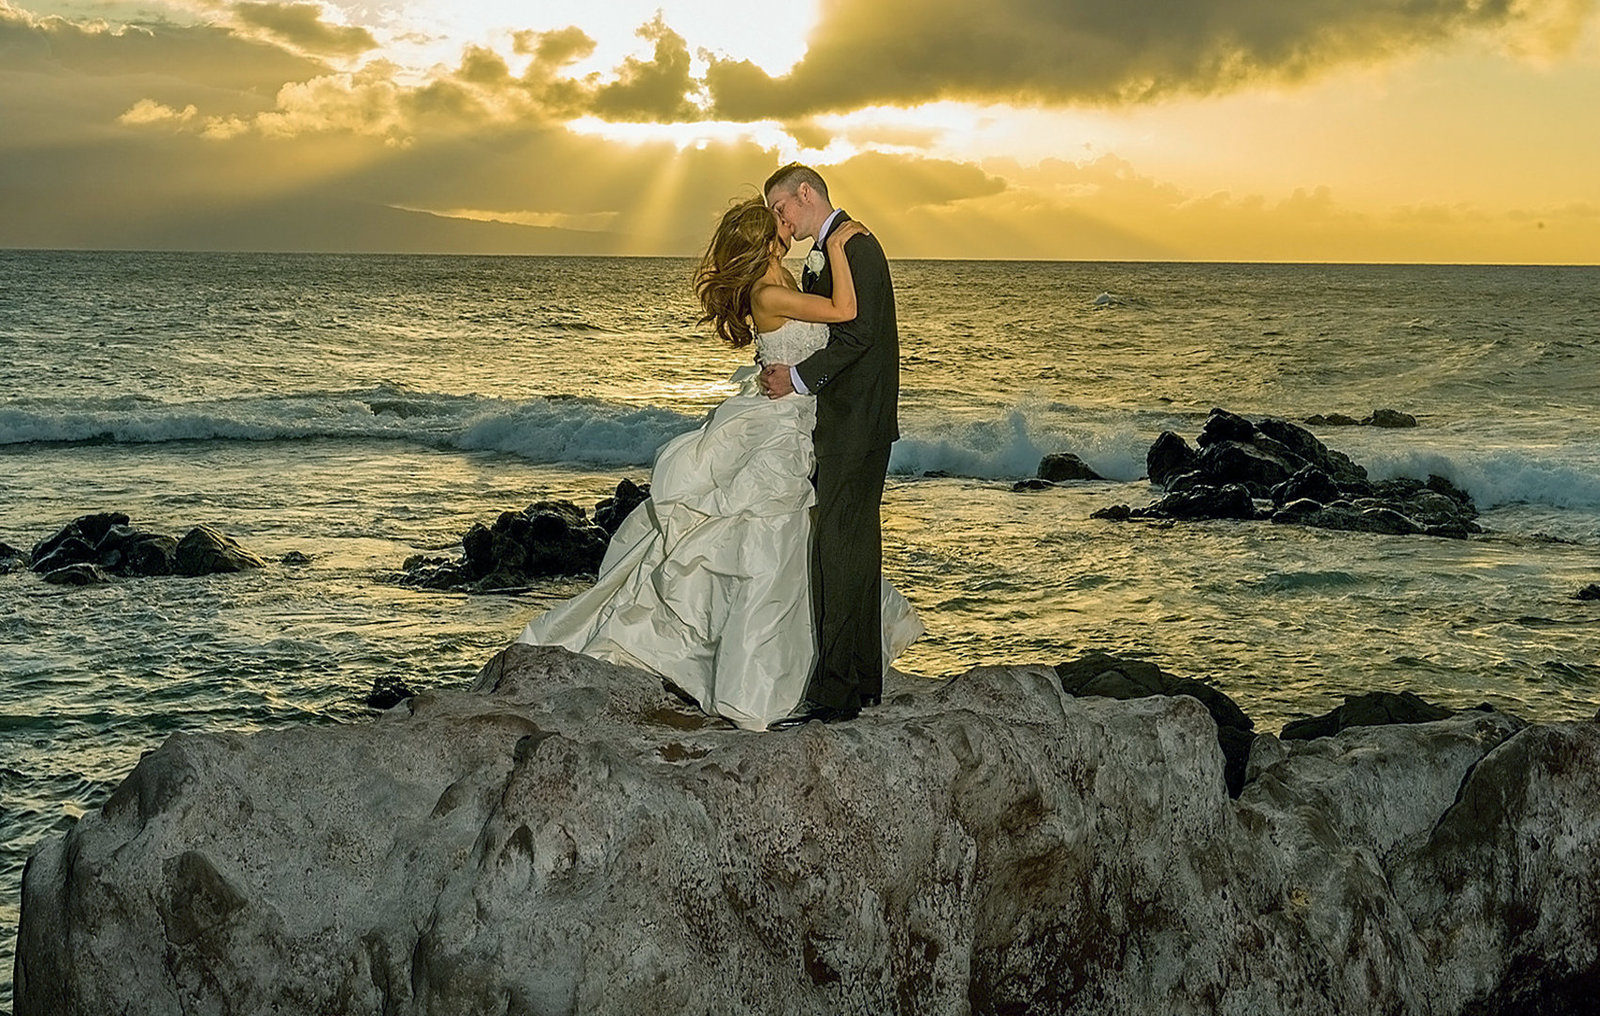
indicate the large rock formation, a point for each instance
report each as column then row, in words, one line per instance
column 547, row 539
column 1273, row 469
column 565, row 838
column 92, row 548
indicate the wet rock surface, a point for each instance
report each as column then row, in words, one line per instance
column 548, row 539
column 567, row 837
column 1270, row 469
column 95, row 548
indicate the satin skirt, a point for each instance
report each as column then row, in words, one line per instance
column 707, row 583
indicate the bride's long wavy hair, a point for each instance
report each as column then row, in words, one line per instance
column 737, row 257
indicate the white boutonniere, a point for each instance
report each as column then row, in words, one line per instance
column 816, row 261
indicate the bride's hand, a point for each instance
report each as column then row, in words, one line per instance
column 845, row 230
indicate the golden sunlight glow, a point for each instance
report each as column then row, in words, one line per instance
column 1453, row 131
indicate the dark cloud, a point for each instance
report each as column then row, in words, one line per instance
column 301, row 26
column 655, row 90
column 204, row 55
column 868, row 52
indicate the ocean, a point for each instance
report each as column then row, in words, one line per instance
column 361, row 409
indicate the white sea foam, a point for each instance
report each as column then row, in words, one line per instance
column 1556, row 476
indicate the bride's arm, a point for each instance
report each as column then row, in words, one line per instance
column 781, row 301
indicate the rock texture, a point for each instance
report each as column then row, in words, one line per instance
column 1272, row 469
column 547, row 539
column 93, row 548
column 566, row 838
column 1102, row 674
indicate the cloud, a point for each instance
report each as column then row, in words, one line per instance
column 866, row 52
column 301, row 26
column 655, row 90
column 208, row 56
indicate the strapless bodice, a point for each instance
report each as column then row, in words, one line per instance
column 791, row 342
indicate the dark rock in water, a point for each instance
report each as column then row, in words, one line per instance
column 1111, row 677
column 1222, row 425
column 1189, row 481
column 145, row 554
column 1380, row 519
column 1060, row 466
column 205, row 551
column 1332, row 420
column 1226, row 462
column 1589, row 592
column 1301, row 447
column 77, row 575
column 1312, row 484
column 61, row 553
column 295, row 559
column 1369, row 710
column 1232, row 501
column 1113, row 513
column 10, row 553
column 388, row 691
column 1309, row 482
column 110, row 542
column 610, row 513
column 1389, row 418
column 1032, row 484
column 937, row 474
column 90, row 529
column 547, row 539
column 1169, row 456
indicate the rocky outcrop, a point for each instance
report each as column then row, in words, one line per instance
column 1377, row 418
column 1589, row 592
column 1374, row 709
column 547, row 539
column 1272, row 469
column 204, row 551
column 1059, row 467
column 1101, row 674
column 566, row 837
column 92, row 548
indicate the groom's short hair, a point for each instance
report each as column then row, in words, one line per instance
column 790, row 177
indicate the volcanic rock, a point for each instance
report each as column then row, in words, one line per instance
column 566, row 837
column 1169, row 456
column 547, row 539
column 1058, row 467
column 1101, row 674
column 1389, row 418
column 205, row 551
column 610, row 513
column 1309, row 483
column 1370, row 710
column 77, row 575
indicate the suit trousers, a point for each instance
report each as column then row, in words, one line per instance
column 846, row 578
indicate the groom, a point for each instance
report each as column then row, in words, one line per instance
column 856, row 379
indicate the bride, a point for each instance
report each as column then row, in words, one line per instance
column 707, row 583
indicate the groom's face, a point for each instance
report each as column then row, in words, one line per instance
column 790, row 208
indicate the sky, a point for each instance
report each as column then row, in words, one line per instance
column 1189, row 130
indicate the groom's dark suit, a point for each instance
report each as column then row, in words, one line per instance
column 856, row 379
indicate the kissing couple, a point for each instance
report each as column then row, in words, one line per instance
column 751, row 579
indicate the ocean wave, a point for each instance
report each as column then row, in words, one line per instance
column 1561, row 477
column 1012, row 446
column 555, row 429
column 599, row 433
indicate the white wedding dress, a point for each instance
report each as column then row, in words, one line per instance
column 707, row 583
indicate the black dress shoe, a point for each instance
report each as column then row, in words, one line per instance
column 809, row 711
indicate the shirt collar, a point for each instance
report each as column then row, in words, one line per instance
column 827, row 227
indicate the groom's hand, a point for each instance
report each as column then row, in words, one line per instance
column 775, row 381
